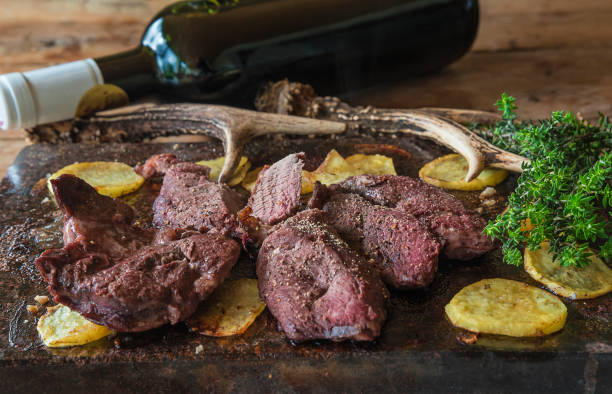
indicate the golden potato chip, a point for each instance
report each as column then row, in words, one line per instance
column 216, row 165
column 506, row 307
column 107, row 177
column 590, row 281
column 61, row 327
column 99, row 98
column 372, row 164
column 336, row 169
column 230, row 310
column 251, row 178
column 449, row 172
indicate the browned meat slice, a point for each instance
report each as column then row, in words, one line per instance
column 187, row 199
column 316, row 286
column 276, row 194
column 98, row 222
column 154, row 285
column 111, row 272
column 459, row 229
column 320, row 194
column 156, row 165
column 398, row 243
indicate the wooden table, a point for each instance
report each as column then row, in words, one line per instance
column 550, row 54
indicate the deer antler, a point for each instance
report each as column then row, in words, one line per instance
column 233, row 126
column 437, row 124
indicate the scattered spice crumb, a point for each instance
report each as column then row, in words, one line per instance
column 467, row 338
column 26, row 321
column 487, row 192
column 41, row 299
column 32, row 309
column 199, row 349
column 489, row 203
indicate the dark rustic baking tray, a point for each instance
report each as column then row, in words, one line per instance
column 418, row 349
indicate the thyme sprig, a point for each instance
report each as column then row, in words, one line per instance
column 565, row 194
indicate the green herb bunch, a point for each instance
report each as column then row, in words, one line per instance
column 565, row 195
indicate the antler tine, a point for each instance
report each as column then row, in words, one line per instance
column 299, row 99
column 233, row 126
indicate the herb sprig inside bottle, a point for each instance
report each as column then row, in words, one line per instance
column 565, row 195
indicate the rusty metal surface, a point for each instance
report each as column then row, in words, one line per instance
column 418, row 350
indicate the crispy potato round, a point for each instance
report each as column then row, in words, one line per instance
column 449, row 172
column 107, row 177
column 336, row 168
column 506, row 307
column 216, row 165
column 372, row 164
column 230, row 310
column 99, row 98
column 251, row 178
column 61, row 327
column 591, row 281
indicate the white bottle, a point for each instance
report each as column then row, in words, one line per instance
column 46, row 95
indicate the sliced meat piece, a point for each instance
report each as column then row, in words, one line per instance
column 316, row 286
column 155, row 285
column 276, row 194
column 156, row 165
column 98, row 222
column 320, row 194
column 111, row 271
column 399, row 244
column 458, row 228
column 189, row 200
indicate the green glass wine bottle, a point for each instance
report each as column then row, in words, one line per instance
column 223, row 51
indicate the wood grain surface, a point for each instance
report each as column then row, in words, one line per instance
column 550, row 54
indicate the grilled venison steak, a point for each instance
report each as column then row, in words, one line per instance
column 112, row 274
column 459, row 229
column 398, row 243
column 275, row 196
column 188, row 200
column 315, row 285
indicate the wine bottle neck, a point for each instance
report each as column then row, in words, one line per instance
column 132, row 70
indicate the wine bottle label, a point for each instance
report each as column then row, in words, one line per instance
column 46, row 95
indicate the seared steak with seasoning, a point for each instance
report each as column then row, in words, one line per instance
column 276, row 194
column 154, row 285
column 189, row 200
column 398, row 243
column 459, row 229
column 98, row 222
column 275, row 197
column 315, row 285
column 111, row 273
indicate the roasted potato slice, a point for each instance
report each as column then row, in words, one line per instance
column 336, row 168
column 216, row 165
column 506, row 307
column 230, row 310
column 99, row 98
column 449, row 172
column 61, row 327
column 107, row 177
column 251, row 178
column 372, row 164
column 591, row 281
